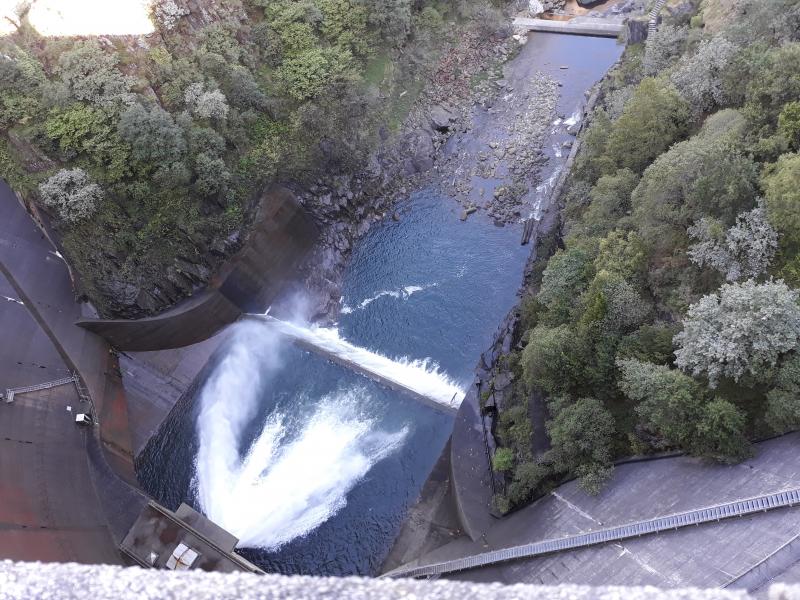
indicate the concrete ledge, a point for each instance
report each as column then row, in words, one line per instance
column 22, row 581
column 583, row 26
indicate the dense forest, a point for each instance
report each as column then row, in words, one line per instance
column 151, row 152
column 667, row 318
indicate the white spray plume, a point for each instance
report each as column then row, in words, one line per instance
column 290, row 480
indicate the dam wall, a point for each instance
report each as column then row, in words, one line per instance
column 279, row 240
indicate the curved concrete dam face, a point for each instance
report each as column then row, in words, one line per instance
column 280, row 239
column 314, row 466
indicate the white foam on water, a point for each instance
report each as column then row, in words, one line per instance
column 422, row 377
column 574, row 118
column 291, row 479
column 403, row 293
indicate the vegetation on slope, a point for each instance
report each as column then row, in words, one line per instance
column 669, row 319
column 151, row 152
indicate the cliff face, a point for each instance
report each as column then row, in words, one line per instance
column 149, row 153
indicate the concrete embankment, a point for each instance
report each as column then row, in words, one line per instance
column 41, row 281
column 52, row 506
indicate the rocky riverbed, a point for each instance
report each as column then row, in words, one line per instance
column 476, row 132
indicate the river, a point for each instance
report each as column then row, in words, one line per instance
column 312, row 466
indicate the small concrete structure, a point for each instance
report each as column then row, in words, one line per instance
column 182, row 540
column 577, row 26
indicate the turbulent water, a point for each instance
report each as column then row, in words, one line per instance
column 420, row 376
column 293, row 476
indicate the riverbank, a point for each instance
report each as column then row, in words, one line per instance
column 466, row 498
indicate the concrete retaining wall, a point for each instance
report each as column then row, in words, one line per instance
column 279, row 240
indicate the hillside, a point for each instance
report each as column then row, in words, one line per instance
column 667, row 317
column 150, row 152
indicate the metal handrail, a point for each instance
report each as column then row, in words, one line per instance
column 11, row 392
column 707, row 514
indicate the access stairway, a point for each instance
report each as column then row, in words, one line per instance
column 10, row 393
column 738, row 508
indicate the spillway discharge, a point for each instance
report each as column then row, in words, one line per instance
column 423, row 377
column 298, row 470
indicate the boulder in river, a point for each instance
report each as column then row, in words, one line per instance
column 441, row 118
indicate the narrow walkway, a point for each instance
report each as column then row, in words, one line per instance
column 10, row 393
column 577, row 26
column 693, row 517
column 652, row 22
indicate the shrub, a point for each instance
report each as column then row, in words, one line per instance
column 503, row 460
column 744, row 328
column 581, row 435
column 72, row 194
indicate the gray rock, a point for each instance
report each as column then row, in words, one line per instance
column 441, row 118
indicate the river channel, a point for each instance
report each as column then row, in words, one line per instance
column 312, row 466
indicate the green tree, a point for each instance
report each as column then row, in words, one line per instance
column 669, row 403
column 550, row 360
column 744, row 328
column 72, row 194
column 566, row 276
column 720, row 432
column 503, row 460
column 654, row 118
column 581, row 434
column 153, row 135
column 783, row 401
column 781, row 183
column 90, row 74
column 789, row 124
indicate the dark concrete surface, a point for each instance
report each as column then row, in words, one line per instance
column 154, row 381
column 432, row 522
column 705, row 556
column 27, row 356
column 48, row 507
column 42, row 281
column 472, row 476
